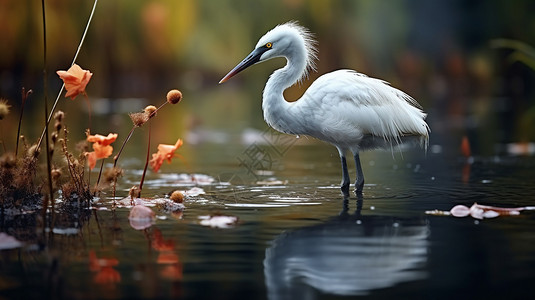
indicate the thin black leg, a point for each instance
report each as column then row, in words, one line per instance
column 345, row 177
column 359, row 183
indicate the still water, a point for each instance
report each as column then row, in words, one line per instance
column 296, row 238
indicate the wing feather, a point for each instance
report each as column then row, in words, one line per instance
column 370, row 106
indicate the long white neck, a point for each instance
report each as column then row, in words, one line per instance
column 277, row 111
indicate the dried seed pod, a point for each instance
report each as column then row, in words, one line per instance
column 177, row 197
column 54, row 137
column 56, row 174
column 8, row 160
column 34, row 151
column 139, row 118
column 4, row 108
column 174, row 96
column 150, row 111
column 134, row 192
column 59, row 115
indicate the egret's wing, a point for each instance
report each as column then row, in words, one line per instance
column 353, row 101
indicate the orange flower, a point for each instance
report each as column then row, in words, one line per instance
column 164, row 152
column 103, row 140
column 101, row 147
column 75, row 80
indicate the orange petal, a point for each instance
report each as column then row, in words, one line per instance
column 102, row 151
column 156, row 161
column 460, row 211
column 75, row 80
column 165, row 151
column 91, row 159
column 103, row 140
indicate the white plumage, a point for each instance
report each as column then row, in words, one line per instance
column 347, row 109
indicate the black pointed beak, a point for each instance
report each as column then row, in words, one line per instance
column 251, row 59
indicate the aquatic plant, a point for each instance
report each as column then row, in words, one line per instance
column 76, row 188
column 17, row 178
column 139, row 119
column 4, row 111
column 68, row 171
column 101, row 147
column 24, row 98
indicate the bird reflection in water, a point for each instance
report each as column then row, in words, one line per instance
column 350, row 254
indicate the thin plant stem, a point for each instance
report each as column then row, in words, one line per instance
column 24, row 98
column 116, row 158
column 99, row 175
column 73, row 61
column 48, row 163
column 146, row 164
column 159, row 107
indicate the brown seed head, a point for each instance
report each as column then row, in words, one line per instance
column 111, row 174
column 4, row 108
column 56, row 174
column 177, row 197
column 34, row 151
column 174, row 96
column 57, row 126
column 150, row 111
column 139, row 118
column 8, row 160
column 134, row 192
column 54, row 137
column 59, row 115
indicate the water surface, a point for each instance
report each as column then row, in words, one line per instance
column 296, row 237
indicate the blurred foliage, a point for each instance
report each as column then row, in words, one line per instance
column 437, row 51
column 523, row 52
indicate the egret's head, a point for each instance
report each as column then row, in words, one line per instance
column 285, row 40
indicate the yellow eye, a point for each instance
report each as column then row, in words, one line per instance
column 269, row 45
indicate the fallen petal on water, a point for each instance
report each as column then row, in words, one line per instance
column 490, row 214
column 476, row 211
column 503, row 210
column 218, row 221
column 141, row 217
column 460, row 211
column 480, row 212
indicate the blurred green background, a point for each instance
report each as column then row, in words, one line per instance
column 440, row 52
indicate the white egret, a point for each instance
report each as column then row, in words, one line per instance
column 344, row 108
